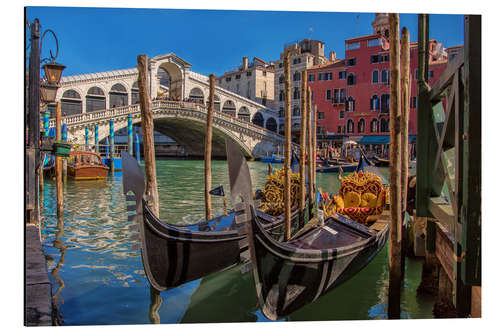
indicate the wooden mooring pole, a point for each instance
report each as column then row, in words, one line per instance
column 395, row 171
column 310, row 152
column 405, row 107
column 303, row 129
column 59, row 178
column 208, row 148
column 148, row 135
column 287, row 148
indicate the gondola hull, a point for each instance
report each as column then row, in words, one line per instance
column 290, row 275
column 335, row 168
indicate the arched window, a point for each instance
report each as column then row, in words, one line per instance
column 296, row 76
column 374, row 125
column 384, row 125
column 196, row 95
column 118, row 96
column 361, row 126
column 375, row 76
column 258, row 119
column 350, row 104
column 296, row 111
column 374, row 103
column 244, row 114
column 271, row 124
column 385, row 76
column 282, row 95
column 351, row 79
column 134, row 95
column 282, row 79
column 229, row 108
column 95, row 99
column 71, row 103
column 350, row 126
column 385, row 102
column 296, row 93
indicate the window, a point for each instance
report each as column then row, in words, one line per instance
column 328, row 76
column 321, row 115
column 342, row 96
column 238, row 76
column 310, row 78
column 431, row 74
column 296, row 111
column 350, row 126
column 296, row 93
column 376, row 58
column 373, row 42
column 413, row 102
column 374, row 103
column 296, row 76
column 312, row 95
column 328, row 94
column 118, row 96
column 341, row 114
column 228, row 79
column 353, row 46
column 385, row 76
column 350, row 104
column 281, row 112
column 282, row 96
column 342, row 75
column 351, row 79
column 264, row 73
column 281, row 79
column 386, row 58
column 297, row 61
column 280, row 65
column 71, row 103
column 339, row 129
column 249, row 73
column 336, row 99
column 321, row 76
column 374, row 126
column 416, row 74
column 361, row 126
column 385, row 103
column 375, row 76
column 351, row 62
column 95, row 99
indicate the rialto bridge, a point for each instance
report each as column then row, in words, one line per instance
column 179, row 98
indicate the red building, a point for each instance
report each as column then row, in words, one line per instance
column 353, row 100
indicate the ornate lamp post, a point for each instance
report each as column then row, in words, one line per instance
column 37, row 92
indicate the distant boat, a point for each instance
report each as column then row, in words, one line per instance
column 272, row 159
column 381, row 162
column 85, row 165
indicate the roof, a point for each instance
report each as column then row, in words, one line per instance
column 361, row 37
column 99, row 75
column 329, row 64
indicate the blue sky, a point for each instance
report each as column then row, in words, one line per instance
column 213, row 41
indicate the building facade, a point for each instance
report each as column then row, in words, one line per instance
column 303, row 55
column 254, row 81
column 354, row 99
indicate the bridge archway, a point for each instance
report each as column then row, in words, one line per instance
column 196, row 94
column 271, row 124
column 229, row 108
column 258, row 119
column 170, row 77
column 244, row 114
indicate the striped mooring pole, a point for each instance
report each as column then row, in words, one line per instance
column 64, row 131
column 46, row 123
column 130, row 135
column 112, row 144
column 86, row 138
column 96, row 138
column 137, row 148
column 107, row 148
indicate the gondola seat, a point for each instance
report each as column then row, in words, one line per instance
column 361, row 197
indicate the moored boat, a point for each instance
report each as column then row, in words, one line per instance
column 174, row 254
column 85, row 165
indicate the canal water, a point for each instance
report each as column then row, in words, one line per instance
column 97, row 278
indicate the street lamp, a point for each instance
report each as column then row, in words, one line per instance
column 38, row 92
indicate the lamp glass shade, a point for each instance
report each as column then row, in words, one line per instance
column 53, row 72
column 48, row 92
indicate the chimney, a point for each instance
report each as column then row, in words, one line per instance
column 332, row 56
column 245, row 63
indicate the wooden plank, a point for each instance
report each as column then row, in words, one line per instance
column 443, row 212
column 444, row 250
column 475, row 310
column 446, row 78
column 471, row 212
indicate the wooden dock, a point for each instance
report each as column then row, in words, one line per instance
column 37, row 293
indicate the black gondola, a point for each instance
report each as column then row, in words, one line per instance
column 173, row 255
column 289, row 275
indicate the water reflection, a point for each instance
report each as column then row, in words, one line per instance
column 90, row 257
